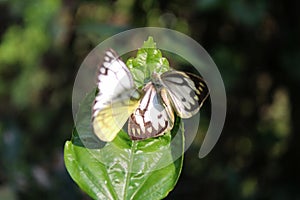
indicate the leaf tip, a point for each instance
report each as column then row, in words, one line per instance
column 149, row 43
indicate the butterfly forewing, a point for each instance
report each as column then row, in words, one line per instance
column 117, row 97
column 113, row 75
column 186, row 91
column 152, row 118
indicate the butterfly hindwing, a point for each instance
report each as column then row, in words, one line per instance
column 117, row 97
column 186, row 91
column 152, row 118
column 201, row 88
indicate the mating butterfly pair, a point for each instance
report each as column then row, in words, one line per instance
column 151, row 110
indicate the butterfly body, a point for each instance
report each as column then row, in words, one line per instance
column 151, row 110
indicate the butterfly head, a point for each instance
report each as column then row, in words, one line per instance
column 155, row 79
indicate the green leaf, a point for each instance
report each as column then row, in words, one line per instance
column 149, row 60
column 149, row 43
column 126, row 169
column 123, row 169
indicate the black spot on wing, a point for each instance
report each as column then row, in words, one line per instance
column 189, row 92
column 201, row 91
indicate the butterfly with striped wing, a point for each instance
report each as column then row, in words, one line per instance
column 151, row 110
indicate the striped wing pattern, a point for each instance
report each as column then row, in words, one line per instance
column 151, row 112
column 186, row 91
column 152, row 118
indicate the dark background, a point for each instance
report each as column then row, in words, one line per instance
column 255, row 45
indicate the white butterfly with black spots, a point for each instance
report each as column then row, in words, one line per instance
column 151, row 110
column 117, row 97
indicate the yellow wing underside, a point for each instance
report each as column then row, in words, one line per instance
column 110, row 120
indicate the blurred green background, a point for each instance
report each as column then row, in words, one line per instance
column 255, row 44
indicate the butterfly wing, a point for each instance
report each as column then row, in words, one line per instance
column 116, row 99
column 153, row 117
column 186, row 91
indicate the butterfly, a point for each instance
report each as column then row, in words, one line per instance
column 151, row 110
column 117, row 97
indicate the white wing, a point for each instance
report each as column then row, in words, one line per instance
column 113, row 79
column 116, row 99
column 153, row 117
column 186, row 91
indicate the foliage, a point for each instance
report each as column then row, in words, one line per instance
column 255, row 45
column 125, row 169
column 148, row 60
